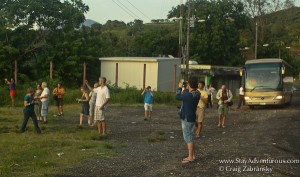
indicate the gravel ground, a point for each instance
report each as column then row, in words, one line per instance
column 251, row 135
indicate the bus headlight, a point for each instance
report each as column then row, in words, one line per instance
column 247, row 98
column 279, row 97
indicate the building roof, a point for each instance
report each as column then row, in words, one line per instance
column 137, row 59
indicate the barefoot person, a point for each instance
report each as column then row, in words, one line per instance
column 188, row 109
column 224, row 96
column 148, row 100
column 29, row 112
column 59, row 93
column 201, row 107
column 12, row 90
column 102, row 99
column 85, row 105
column 45, row 102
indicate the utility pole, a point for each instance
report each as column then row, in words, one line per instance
column 255, row 41
column 84, row 72
column 180, row 30
column 187, row 56
column 51, row 70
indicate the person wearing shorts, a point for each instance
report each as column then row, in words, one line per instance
column 201, row 107
column 224, row 96
column 102, row 99
column 85, row 106
column 12, row 90
column 45, row 102
column 190, row 100
column 59, row 91
column 148, row 102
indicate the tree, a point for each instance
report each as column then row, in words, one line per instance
column 26, row 25
column 216, row 41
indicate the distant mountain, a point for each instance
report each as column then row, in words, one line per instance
column 89, row 22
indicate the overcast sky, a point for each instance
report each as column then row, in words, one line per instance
column 128, row 10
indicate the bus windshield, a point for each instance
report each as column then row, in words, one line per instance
column 263, row 76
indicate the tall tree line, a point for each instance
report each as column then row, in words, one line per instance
column 33, row 33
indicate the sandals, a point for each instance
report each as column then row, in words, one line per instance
column 186, row 160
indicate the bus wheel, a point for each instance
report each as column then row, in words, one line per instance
column 251, row 107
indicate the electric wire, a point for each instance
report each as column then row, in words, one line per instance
column 123, row 9
column 138, row 10
column 136, row 16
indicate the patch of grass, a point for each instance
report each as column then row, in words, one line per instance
column 4, row 129
column 160, row 133
column 108, row 145
column 124, row 145
column 59, row 147
column 157, row 138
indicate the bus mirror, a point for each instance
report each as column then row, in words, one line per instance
column 283, row 70
column 241, row 72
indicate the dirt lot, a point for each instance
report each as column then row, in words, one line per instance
column 252, row 139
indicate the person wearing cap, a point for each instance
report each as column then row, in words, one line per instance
column 59, row 91
column 148, row 100
column 102, row 99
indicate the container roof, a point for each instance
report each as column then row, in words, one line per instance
column 144, row 59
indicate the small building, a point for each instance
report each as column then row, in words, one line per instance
column 161, row 73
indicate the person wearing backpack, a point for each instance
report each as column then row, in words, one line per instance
column 224, row 96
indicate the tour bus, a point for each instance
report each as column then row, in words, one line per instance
column 267, row 82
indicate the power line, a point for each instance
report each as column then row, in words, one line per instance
column 129, row 10
column 124, row 9
column 138, row 9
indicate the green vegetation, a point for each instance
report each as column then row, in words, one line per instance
column 157, row 137
column 226, row 37
column 129, row 95
column 62, row 145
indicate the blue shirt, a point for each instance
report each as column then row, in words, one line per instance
column 189, row 104
column 148, row 97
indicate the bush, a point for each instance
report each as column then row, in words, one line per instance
column 129, row 95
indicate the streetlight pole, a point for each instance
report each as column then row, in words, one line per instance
column 180, row 30
column 187, row 56
column 255, row 52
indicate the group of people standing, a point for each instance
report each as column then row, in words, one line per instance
column 37, row 101
column 94, row 104
column 194, row 98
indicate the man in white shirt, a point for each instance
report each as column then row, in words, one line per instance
column 102, row 99
column 45, row 101
column 241, row 93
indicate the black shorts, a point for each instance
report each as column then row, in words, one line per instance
column 59, row 102
column 85, row 109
